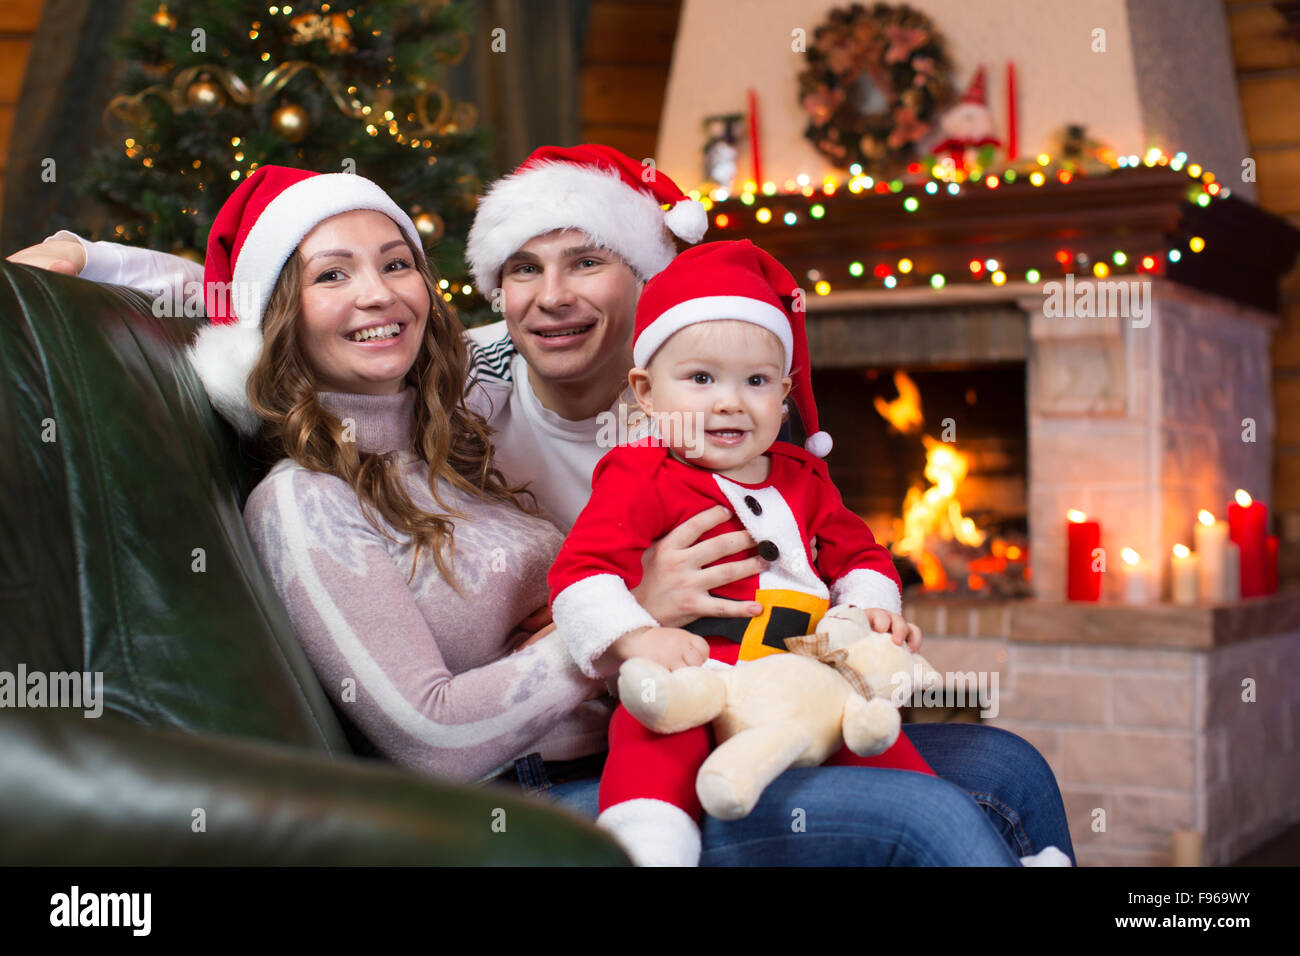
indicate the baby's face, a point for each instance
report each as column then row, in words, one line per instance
column 716, row 390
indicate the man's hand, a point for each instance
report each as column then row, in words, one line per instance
column 882, row 620
column 670, row 647
column 537, row 620
column 57, row 255
column 531, row 639
column 675, row 583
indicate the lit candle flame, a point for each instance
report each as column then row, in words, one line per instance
column 1205, row 518
column 1076, row 516
column 1130, row 556
column 1181, row 551
column 1243, row 499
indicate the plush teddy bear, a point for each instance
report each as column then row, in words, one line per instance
column 842, row 684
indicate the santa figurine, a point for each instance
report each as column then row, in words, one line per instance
column 968, row 130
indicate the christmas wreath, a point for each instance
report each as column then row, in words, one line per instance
column 874, row 81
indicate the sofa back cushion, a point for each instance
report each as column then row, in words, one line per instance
column 122, row 546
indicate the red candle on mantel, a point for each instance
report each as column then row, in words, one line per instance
column 753, row 138
column 1247, row 527
column 1082, row 582
column 1012, row 149
column 1270, row 547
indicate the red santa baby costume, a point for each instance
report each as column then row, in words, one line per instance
column 642, row 490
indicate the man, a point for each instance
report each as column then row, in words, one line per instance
column 568, row 240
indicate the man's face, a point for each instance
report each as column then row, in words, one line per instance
column 570, row 307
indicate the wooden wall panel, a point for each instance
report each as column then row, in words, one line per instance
column 20, row 16
column 1259, row 40
column 1270, row 103
column 625, row 61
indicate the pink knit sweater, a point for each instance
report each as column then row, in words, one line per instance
column 421, row 671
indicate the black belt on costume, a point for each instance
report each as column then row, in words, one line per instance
column 784, row 622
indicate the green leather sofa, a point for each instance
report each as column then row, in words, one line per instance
column 122, row 551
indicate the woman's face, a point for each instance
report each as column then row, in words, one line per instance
column 364, row 304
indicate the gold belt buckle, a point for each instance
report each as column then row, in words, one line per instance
column 784, row 604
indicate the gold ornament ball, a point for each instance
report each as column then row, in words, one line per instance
column 290, row 122
column 430, row 226
column 205, row 95
column 162, row 18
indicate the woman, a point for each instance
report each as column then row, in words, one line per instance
column 406, row 562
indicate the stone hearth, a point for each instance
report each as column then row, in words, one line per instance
column 1155, row 720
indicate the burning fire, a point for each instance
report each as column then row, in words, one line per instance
column 934, row 510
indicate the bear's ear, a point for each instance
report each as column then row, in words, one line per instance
column 840, row 632
column 844, row 624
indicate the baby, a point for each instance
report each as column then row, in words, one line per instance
column 719, row 345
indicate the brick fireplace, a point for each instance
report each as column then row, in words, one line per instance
column 1146, row 714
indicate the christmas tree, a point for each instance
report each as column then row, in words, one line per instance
column 214, row 88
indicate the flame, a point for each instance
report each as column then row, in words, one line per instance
column 1181, row 551
column 1205, row 518
column 935, row 511
column 904, row 412
column 1130, row 556
column 1078, row 517
column 1243, row 498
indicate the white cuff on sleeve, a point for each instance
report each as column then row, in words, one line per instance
column 593, row 613
column 85, row 246
column 864, row 588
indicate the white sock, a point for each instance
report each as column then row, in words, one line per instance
column 1048, row 857
column 653, row 833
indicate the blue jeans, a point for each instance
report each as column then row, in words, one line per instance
column 995, row 800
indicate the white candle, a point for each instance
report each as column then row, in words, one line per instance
column 1135, row 578
column 1183, row 574
column 1211, row 542
column 1231, row 571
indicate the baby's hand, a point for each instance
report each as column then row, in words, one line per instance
column 882, row 621
column 670, row 647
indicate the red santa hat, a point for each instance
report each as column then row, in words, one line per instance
column 255, row 232
column 611, row 197
column 732, row 280
column 975, row 94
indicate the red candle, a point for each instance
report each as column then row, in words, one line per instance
column 1083, row 583
column 1270, row 545
column 753, row 138
column 1247, row 524
column 1011, row 111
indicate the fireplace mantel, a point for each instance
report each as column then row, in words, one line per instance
column 1141, row 211
column 1150, row 626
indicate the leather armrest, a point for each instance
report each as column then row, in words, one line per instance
column 85, row 792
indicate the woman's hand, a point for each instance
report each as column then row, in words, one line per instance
column 675, row 583
column 57, row 255
column 882, row 621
